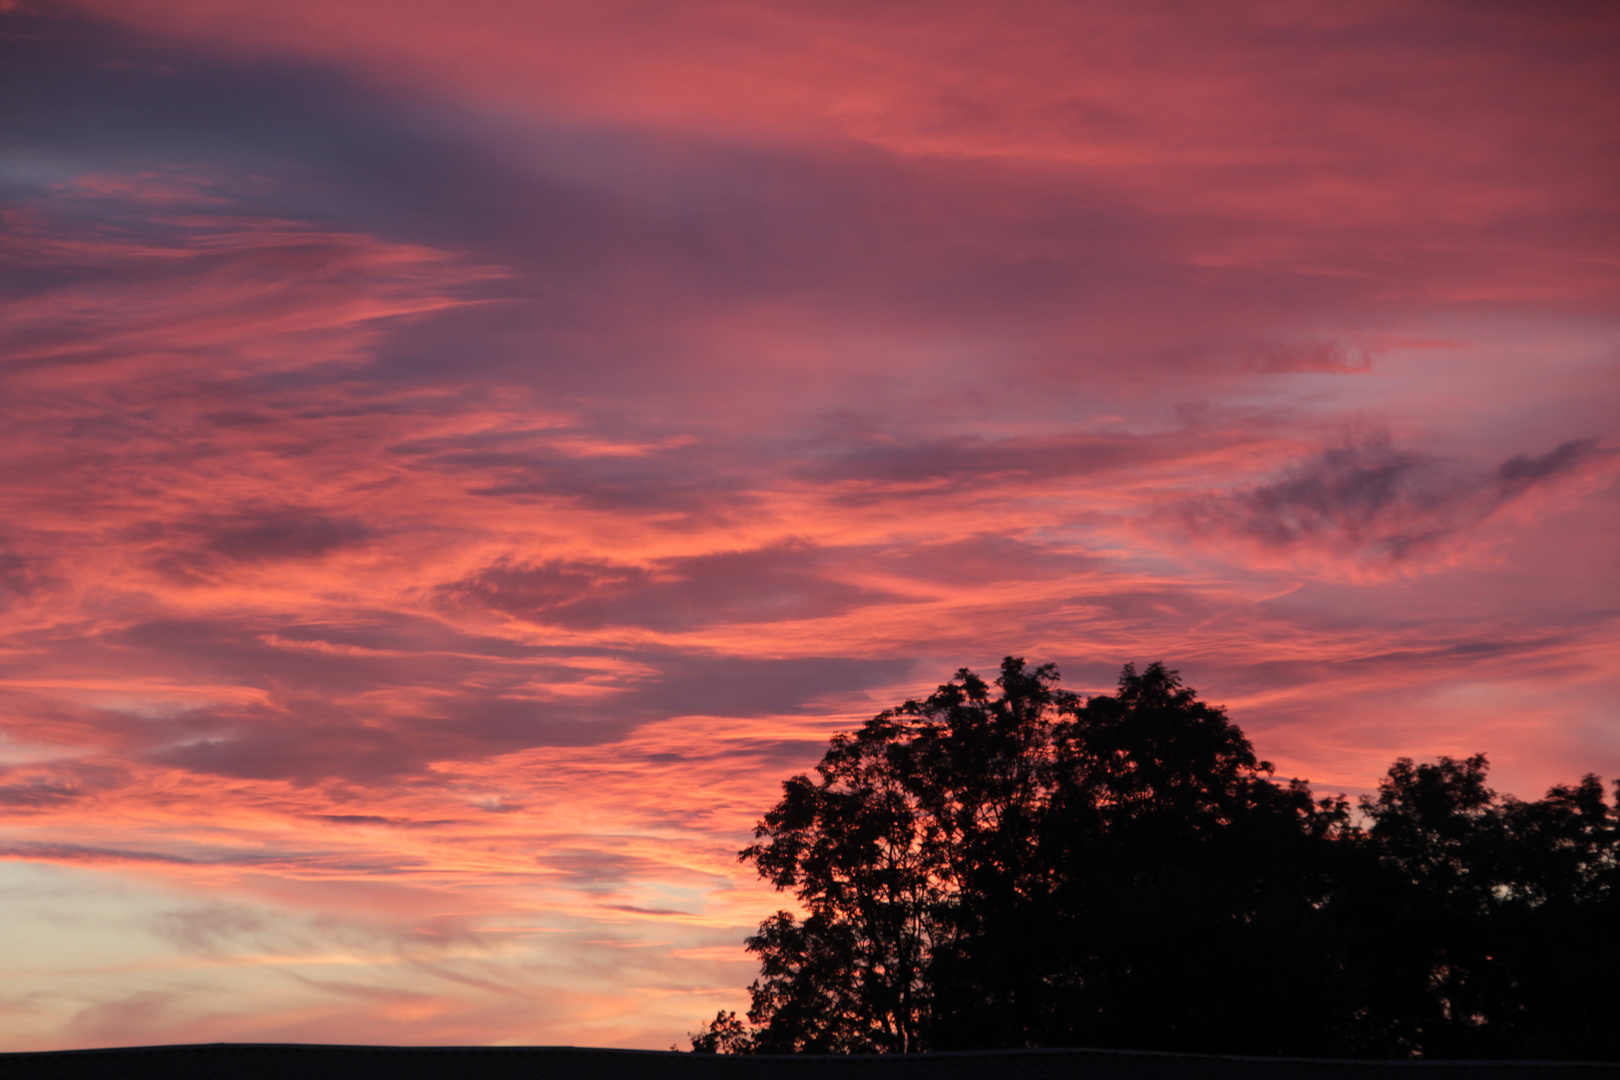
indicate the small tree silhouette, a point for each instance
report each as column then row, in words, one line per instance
column 725, row 1034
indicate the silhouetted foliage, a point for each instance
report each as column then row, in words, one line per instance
column 725, row 1034
column 1012, row 865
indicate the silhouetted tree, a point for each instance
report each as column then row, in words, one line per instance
column 1557, row 932
column 1010, row 865
column 1170, row 865
column 1497, row 929
column 725, row 1034
column 918, row 824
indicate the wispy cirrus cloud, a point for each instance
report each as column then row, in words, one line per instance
column 208, row 545
column 779, row 583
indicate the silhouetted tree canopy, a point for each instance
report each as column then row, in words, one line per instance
column 1011, row 865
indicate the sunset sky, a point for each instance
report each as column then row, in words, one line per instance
column 461, row 455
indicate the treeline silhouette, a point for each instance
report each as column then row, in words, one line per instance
column 1015, row 866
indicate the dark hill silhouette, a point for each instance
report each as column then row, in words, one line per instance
column 293, row 1062
column 1012, row 866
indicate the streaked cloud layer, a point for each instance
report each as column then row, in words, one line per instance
column 460, row 458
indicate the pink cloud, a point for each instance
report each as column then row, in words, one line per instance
column 460, row 460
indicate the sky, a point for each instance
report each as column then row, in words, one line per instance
column 462, row 455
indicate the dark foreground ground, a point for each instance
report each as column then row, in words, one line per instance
column 230, row 1061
